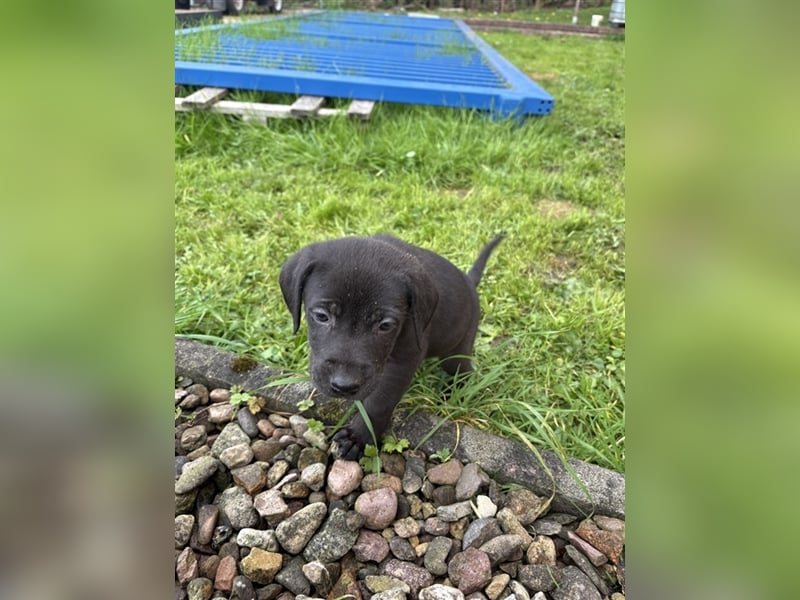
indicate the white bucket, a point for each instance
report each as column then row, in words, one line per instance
column 596, row 20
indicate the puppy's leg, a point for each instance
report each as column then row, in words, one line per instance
column 379, row 406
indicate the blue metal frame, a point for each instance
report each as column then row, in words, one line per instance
column 365, row 56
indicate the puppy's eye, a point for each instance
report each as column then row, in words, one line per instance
column 320, row 316
column 386, row 325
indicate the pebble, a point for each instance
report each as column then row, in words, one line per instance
column 370, row 547
column 454, row 512
column 263, row 512
column 436, row 555
column 260, row 566
column 440, row 592
column 446, row 473
column 470, row 570
column 195, row 474
column 295, row 532
column 379, row 508
column 200, row 588
column 574, row 585
column 336, row 537
column 219, row 395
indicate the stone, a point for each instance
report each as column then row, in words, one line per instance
column 226, row 571
column 435, row 526
column 195, row 474
column 538, row 578
column 200, row 588
column 520, row 593
column 295, row 489
column 344, row 477
column 588, row 569
column 484, row 507
column 383, row 583
column 336, row 536
column 252, row 478
column 221, row 413
column 394, row 594
column 237, row 506
column 313, row 476
column 407, row 527
column 393, row 464
column 193, row 437
column 207, row 516
column 415, row 577
column 414, row 473
column 574, row 585
column 271, row 505
column 319, row 576
column 470, row 570
column 379, row 508
column 596, row 557
column 261, row 566
column 470, row 482
column 440, row 592
column 436, row 555
column 510, row 524
column 541, row 551
column 243, row 588
column 373, row 481
column 480, row 531
column 292, row 578
column 183, row 530
column 186, row 567
column 547, row 527
column 609, row 523
column 237, row 455
column 219, row 395
column 497, row 585
column 402, row 549
column 276, row 472
column 295, row 532
column 458, row 528
column 503, row 548
column 454, row 512
column 265, row 539
column 265, row 450
column 190, row 402
column 443, row 494
column 231, row 435
column 265, row 427
column 208, row 566
column 247, row 421
column 609, row 542
column 525, row 505
column 278, row 420
column 370, row 547
column 200, row 391
column 446, row 473
column 317, row 439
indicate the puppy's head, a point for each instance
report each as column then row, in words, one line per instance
column 365, row 301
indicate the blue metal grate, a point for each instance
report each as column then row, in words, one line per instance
column 365, row 56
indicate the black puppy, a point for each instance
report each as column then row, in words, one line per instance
column 376, row 307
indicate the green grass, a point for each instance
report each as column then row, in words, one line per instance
column 550, row 353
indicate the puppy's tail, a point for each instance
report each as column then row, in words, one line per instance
column 476, row 272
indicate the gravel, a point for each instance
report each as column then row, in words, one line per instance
column 264, row 512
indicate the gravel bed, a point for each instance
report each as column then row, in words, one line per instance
column 263, row 511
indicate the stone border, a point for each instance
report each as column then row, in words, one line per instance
column 587, row 489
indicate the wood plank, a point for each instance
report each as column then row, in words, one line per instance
column 307, row 106
column 360, row 109
column 205, row 97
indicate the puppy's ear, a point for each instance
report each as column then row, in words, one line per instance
column 293, row 277
column 422, row 301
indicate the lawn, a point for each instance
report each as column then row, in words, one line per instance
column 550, row 353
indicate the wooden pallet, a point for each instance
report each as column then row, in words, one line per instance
column 211, row 99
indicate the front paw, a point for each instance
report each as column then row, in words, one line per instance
column 351, row 440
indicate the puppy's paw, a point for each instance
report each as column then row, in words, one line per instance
column 351, row 440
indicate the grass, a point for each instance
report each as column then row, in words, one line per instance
column 550, row 353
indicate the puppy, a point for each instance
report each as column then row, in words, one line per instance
column 376, row 308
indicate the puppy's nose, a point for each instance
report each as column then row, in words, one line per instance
column 344, row 385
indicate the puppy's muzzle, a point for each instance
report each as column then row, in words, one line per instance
column 344, row 380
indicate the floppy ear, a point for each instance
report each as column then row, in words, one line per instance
column 294, row 273
column 422, row 301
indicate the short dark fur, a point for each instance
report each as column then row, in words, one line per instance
column 376, row 308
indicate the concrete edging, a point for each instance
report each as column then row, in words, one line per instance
column 587, row 489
